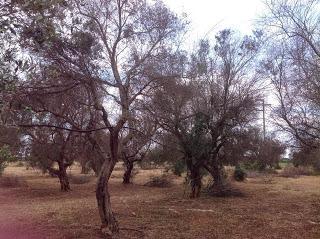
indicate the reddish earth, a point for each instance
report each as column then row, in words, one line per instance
column 20, row 231
column 271, row 208
column 16, row 224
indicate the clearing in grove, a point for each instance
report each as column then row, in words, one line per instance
column 271, row 207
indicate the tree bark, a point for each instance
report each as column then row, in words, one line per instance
column 128, row 171
column 63, row 178
column 64, row 183
column 195, row 182
column 218, row 177
column 194, row 177
column 61, row 173
column 103, row 197
column 107, row 217
column 216, row 171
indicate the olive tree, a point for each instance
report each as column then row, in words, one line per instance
column 11, row 66
column 136, row 144
column 49, row 148
column 112, row 50
column 294, row 68
column 218, row 95
column 249, row 147
column 226, row 76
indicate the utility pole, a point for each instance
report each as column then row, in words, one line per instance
column 264, row 117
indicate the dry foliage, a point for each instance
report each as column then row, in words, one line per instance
column 162, row 181
column 225, row 190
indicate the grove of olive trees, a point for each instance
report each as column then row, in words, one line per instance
column 97, row 82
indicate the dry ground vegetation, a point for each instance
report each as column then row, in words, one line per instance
column 271, row 207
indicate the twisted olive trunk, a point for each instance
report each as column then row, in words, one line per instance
column 194, row 177
column 107, row 217
column 218, row 177
column 63, row 177
column 128, row 171
column 61, row 173
column 216, row 171
column 103, row 197
column 195, row 182
column 64, row 182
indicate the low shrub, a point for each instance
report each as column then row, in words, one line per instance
column 239, row 174
column 278, row 167
column 5, row 157
column 254, row 165
column 147, row 165
column 224, row 190
column 178, row 168
column 162, row 181
column 12, row 182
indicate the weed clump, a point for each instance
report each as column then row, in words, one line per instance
column 226, row 189
column 239, row 174
column 162, row 181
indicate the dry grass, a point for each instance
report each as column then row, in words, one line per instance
column 79, row 179
column 291, row 171
column 12, row 182
column 285, row 208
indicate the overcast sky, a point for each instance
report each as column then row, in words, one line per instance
column 213, row 15
column 210, row 16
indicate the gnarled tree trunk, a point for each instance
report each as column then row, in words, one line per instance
column 128, row 171
column 216, row 170
column 64, row 183
column 195, row 182
column 218, row 177
column 107, row 217
column 194, row 177
column 63, row 178
column 61, row 173
column 103, row 197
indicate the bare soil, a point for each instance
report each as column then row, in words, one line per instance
column 272, row 207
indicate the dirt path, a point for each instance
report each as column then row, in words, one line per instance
column 18, row 230
column 17, row 223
